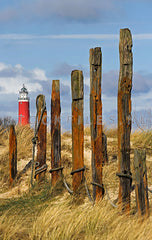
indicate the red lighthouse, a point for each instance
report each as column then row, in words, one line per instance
column 23, row 107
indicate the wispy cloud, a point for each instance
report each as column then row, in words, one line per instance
column 21, row 37
column 142, row 36
column 61, row 36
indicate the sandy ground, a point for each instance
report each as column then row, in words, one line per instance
column 24, row 182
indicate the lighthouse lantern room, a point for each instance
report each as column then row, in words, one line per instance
column 23, row 107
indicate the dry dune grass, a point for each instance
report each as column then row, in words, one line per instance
column 24, row 146
column 44, row 212
column 3, row 136
column 87, row 222
column 111, row 132
column 61, row 219
column 142, row 139
column 24, row 143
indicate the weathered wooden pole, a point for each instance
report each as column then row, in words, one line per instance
column 12, row 154
column 55, row 133
column 77, row 129
column 141, row 185
column 41, row 166
column 124, row 118
column 104, row 148
column 96, row 121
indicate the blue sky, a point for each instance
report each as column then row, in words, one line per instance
column 42, row 40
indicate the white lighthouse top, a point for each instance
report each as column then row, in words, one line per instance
column 23, row 94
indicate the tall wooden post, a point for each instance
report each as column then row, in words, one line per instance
column 55, row 133
column 41, row 166
column 124, row 118
column 77, row 129
column 141, row 185
column 96, row 121
column 12, row 154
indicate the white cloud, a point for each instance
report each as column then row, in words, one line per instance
column 34, row 87
column 39, row 74
column 13, row 77
column 19, row 67
column 2, row 66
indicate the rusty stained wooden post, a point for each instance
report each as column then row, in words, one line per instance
column 141, row 186
column 55, row 133
column 12, row 154
column 41, row 166
column 96, row 122
column 77, row 129
column 124, row 118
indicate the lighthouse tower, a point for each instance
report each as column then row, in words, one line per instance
column 23, row 107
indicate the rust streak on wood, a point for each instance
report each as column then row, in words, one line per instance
column 55, row 131
column 141, row 185
column 124, row 116
column 12, row 154
column 41, row 142
column 77, row 128
column 96, row 120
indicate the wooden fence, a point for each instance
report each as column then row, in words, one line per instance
column 98, row 138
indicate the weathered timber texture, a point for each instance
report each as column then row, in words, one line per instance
column 41, row 141
column 124, row 117
column 104, row 148
column 12, row 154
column 77, row 128
column 141, row 186
column 55, row 131
column 96, row 120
